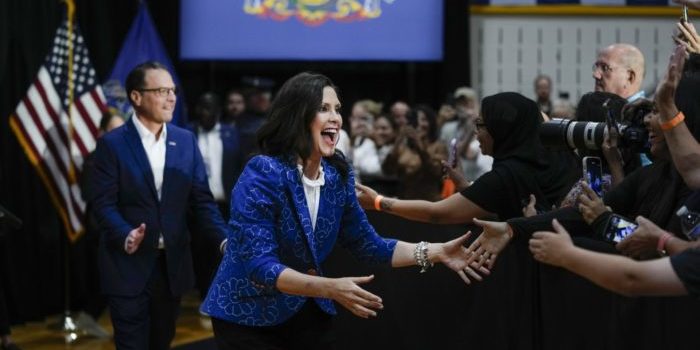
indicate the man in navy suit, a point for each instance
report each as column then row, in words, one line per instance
column 148, row 176
column 219, row 144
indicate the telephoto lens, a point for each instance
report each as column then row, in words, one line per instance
column 567, row 133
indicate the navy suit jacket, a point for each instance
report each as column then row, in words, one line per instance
column 125, row 196
column 232, row 160
column 271, row 230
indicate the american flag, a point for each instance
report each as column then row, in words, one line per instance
column 56, row 142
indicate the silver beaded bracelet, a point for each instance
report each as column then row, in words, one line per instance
column 420, row 253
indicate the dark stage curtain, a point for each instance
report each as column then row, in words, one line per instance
column 436, row 310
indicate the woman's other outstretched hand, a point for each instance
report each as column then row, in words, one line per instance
column 347, row 292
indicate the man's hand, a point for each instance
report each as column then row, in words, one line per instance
column 134, row 238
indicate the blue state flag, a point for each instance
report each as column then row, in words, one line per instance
column 142, row 44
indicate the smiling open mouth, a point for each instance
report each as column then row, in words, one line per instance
column 330, row 135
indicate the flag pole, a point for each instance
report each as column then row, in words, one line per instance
column 67, row 324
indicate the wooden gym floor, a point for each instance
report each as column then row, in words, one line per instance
column 191, row 327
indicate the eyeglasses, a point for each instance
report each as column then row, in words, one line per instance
column 161, row 91
column 603, row 67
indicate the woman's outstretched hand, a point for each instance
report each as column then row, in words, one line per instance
column 347, row 292
column 485, row 249
column 454, row 255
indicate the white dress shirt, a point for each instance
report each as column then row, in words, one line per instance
column 155, row 151
column 312, row 192
column 212, row 149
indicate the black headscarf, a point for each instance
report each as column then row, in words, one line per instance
column 513, row 121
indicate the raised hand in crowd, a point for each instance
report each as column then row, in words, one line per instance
column 690, row 3
column 455, row 174
column 684, row 148
column 590, row 205
column 688, row 37
column 494, row 237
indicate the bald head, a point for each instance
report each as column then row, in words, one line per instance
column 619, row 69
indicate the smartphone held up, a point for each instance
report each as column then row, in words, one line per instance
column 593, row 174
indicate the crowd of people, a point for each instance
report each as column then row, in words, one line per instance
column 248, row 201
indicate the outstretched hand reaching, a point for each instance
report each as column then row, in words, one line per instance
column 454, row 255
column 485, row 249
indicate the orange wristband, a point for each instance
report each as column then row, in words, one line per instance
column 668, row 125
column 378, row 202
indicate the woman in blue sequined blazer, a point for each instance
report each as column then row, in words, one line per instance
column 290, row 207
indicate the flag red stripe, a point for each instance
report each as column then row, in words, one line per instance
column 85, row 116
column 53, row 113
column 88, row 120
column 76, row 136
column 49, row 141
column 49, row 181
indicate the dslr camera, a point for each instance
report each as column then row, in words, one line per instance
column 567, row 133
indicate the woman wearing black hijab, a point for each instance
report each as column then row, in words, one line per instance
column 508, row 130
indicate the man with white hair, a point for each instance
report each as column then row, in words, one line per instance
column 619, row 69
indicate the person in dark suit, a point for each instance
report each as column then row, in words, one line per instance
column 148, row 174
column 221, row 151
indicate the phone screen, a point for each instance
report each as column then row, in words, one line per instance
column 593, row 174
column 618, row 228
column 452, row 156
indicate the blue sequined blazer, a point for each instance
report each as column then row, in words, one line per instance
column 271, row 230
